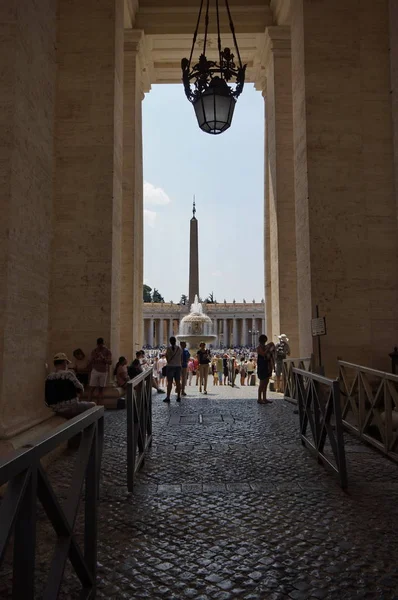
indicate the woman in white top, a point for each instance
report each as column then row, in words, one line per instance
column 173, row 369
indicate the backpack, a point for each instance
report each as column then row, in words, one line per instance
column 280, row 351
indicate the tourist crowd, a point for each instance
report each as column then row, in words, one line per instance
column 171, row 366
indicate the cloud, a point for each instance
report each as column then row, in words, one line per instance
column 155, row 196
column 150, row 217
column 216, row 274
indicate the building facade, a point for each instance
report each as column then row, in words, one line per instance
column 235, row 324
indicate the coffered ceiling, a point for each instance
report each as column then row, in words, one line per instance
column 169, row 25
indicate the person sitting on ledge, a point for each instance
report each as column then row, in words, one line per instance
column 120, row 372
column 80, row 366
column 135, row 368
column 62, row 389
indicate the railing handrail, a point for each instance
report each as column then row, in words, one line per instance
column 139, row 378
column 297, row 359
column 314, row 376
column 382, row 374
column 19, row 460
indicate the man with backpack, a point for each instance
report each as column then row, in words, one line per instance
column 282, row 350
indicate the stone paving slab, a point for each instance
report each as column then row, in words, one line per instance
column 235, row 507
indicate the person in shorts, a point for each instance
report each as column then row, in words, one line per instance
column 173, row 369
column 101, row 359
column 265, row 366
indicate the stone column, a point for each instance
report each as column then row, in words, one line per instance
column 346, row 213
column 394, row 84
column 27, row 98
column 151, row 332
column 244, row 331
column 171, row 331
column 132, row 215
column 86, row 270
column 161, row 332
column 226, row 336
column 280, row 185
column 235, row 331
column 263, row 326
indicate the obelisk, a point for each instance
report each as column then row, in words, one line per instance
column 193, row 258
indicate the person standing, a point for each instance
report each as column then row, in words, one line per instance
column 204, row 359
column 162, row 362
column 265, row 365
column 191, row 370
column 184, row 366
column 173, row 369
column 101, row 359
column 282, row 350
column 242, row 370
column 250, row 370
column 220, row 368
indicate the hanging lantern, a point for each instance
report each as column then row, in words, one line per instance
column 209, row 84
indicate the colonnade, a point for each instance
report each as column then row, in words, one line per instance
column 71, row 233
column 230, row 331
column 328, row 72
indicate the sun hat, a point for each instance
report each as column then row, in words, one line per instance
column 61, row 356
column 283, row 336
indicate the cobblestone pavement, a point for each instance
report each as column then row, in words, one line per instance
column 230, row 505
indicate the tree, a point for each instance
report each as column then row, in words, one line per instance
column 156, row 296
column 147, row 293
column 184, row 299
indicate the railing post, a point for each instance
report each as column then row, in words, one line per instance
column 130, row 436
column 25, row 541
column 91, row 509
column 339, row 434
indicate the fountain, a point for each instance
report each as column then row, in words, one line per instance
column 196, row 327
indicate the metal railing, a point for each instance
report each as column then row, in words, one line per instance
column 139, row 423
column 288, row 377
column 369, row 401
column 318, row 400
column 27, row 482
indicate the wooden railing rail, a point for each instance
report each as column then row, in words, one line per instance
column 288, row 376
column 27, row 482
column 139, row 423
column 369, row 402
column 318, row 400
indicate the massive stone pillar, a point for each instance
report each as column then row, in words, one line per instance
column 267, row 233
column 27, row 96
column 344, row 179
column 280, row 186
column 394, row 84
column 86, row 267
column 131, row 335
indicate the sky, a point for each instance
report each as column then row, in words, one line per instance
column 226, row 174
